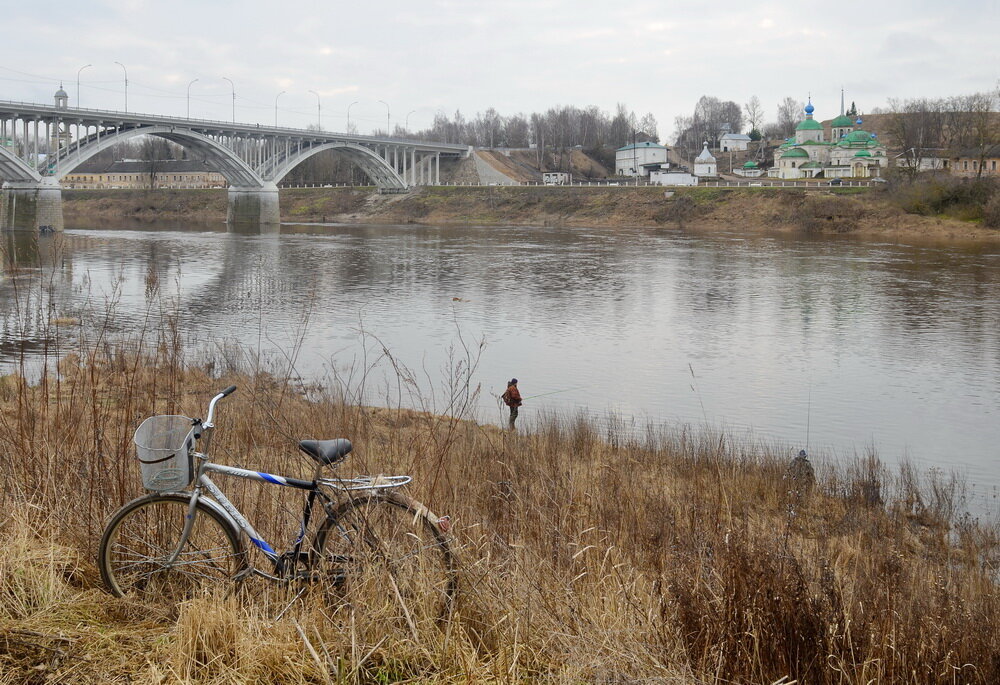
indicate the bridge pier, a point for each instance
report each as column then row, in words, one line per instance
column 254, row 205
column 34, row 204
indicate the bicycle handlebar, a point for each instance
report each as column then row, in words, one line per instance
column 211, row 405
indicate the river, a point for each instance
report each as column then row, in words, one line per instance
column 842, row 345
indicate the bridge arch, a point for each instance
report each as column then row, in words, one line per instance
column 15, row 170
column 234, row 169
column 370, row 162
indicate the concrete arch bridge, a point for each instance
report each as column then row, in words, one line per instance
column 41, row 144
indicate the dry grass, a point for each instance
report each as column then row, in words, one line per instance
column 585, row 557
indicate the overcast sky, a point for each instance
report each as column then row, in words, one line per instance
column 515, row 55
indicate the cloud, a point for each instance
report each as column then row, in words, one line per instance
column 516, row 55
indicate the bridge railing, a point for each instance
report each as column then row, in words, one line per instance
column 240, row 127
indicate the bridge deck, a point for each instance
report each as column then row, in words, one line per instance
column 102, row 118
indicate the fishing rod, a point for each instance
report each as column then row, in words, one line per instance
column 554, row 392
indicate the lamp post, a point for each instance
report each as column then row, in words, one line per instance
column 233, row 86
column 407, row 125
column 349, row 115
column 276, row 108
column 125, row 71
column 78, row 82
column 388, row 131
column 319, row 112
column 189, row 98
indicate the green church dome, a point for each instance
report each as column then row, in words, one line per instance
column 795, row 152
column 862, row 153
column 858, row 137
column 809, row 125
column 843, row 121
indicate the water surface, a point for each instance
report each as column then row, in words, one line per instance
column 846, row 345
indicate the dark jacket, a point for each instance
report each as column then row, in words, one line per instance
column 512, row 397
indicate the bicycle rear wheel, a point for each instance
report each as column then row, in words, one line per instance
column 144, row 534
column 386, row 553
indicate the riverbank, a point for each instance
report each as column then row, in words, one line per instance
column 585, row 555
column 825, row 211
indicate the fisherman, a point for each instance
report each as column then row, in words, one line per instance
column 512, row 398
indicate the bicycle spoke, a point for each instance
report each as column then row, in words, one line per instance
column 141, row 539
column 391, row 559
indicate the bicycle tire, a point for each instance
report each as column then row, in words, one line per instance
column 385, row 552
column 145, row 532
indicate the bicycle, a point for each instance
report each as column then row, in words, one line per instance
column 180, row 541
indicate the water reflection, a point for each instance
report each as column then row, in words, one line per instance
column 831, row 340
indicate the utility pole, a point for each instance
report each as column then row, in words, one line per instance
column 635, row 159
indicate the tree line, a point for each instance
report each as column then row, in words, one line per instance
column 558, row 127
column 922, row 128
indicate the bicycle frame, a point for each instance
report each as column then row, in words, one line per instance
column 314, row 487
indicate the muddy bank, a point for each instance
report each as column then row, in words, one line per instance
column 833, row 211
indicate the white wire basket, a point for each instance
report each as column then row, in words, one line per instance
column 163, row 445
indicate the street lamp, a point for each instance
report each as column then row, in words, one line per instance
column 233, row 86
column 349, row 115
column 407, row 125
column 319, row 112
column 189, row 98
column 78, row 82
column 276, row 108
column 126, row 83
column 388, row 131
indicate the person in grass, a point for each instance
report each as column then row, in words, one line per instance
column 512, row 398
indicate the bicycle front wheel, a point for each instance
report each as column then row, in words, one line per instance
column 143, row 535
column 387, row 554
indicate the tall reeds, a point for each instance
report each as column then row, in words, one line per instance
column 587, row 554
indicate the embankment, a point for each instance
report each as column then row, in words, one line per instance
column 827, row 211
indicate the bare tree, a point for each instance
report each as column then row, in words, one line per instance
column 755, row 113
column 154, row 151
column 983, row 126
column 517, row 131
column 685, row 136
column 789, row 114
column 647, row 125
column 916, row 127
column 711, row 118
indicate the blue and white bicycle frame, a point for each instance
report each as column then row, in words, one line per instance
column 206, row 491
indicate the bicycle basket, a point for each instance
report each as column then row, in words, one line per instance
column 163, row 445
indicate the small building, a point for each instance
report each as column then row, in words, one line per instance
column 734, row 142
column 705, row 164
column 630, row 160
column 750, row 169
column 924, row 160
column 556, row 178
column 672, row 177
column 139, row 174
column 976, row 162
column 790, row 161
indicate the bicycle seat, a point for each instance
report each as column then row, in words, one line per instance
column 326, row 452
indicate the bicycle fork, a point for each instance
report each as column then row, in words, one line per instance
column 186, row 532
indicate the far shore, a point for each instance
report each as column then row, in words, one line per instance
column 834, row 211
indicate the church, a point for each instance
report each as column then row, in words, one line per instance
column 851, row 153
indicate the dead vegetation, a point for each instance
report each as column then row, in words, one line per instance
column 605, row 556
